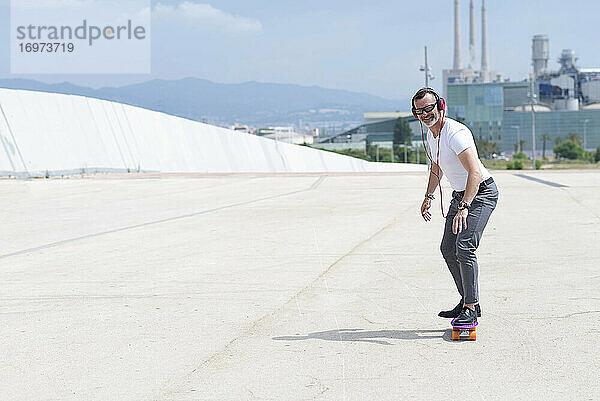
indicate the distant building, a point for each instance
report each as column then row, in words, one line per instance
column 241, row 128
column 567, row 101
column 377, row 130
column 501, row 113
column 481, row 106
column 286, row 134
column 555, row 123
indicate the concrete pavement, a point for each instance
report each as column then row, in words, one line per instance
column 295, row 287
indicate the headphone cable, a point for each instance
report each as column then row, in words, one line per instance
column 438, row 159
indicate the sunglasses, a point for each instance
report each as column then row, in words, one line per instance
column 425, row 109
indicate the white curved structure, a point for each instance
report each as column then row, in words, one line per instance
column 49, row 133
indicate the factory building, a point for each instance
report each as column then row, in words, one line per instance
column 568, row 88
column 495, row 109
column 566, row 100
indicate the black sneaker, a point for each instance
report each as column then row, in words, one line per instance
column 467, row 317
column 453, row 312
column 456, row 311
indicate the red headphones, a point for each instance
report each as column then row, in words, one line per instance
column 439, row 101
column 441, row 106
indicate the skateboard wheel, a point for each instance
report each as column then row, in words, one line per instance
column 455, row 335
column 473, row 335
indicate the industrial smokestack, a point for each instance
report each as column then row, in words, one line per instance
column 457, row 55
column 472, row 50
column 484, row 52
column 539, row 54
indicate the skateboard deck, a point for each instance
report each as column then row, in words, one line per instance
column 464, row 332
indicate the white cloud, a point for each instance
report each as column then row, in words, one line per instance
column 206, row 17
column 144, row 14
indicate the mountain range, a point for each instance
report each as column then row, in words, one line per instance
column 252, row 103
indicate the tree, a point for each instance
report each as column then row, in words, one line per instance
column 519, row 145
column 569, row 150
column 486, row 148
column 597, row 156
column 402, row 133
column 557, row 140
column 544, row 139
column 574, row 137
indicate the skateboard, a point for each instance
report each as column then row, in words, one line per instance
column 468, row 332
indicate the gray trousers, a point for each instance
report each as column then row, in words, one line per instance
column 459, row 249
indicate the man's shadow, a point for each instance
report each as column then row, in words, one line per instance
column 377, row 337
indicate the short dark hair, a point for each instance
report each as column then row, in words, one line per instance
column 421, row 94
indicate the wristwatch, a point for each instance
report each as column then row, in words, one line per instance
column 463, row 205
column 430, row 196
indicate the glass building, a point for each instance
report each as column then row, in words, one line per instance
column 555, row 124
column 481, row 106
column 499, row 112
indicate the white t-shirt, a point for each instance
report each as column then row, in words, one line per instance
column 454, row 138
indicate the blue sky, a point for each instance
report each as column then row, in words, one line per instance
column 374, row 47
